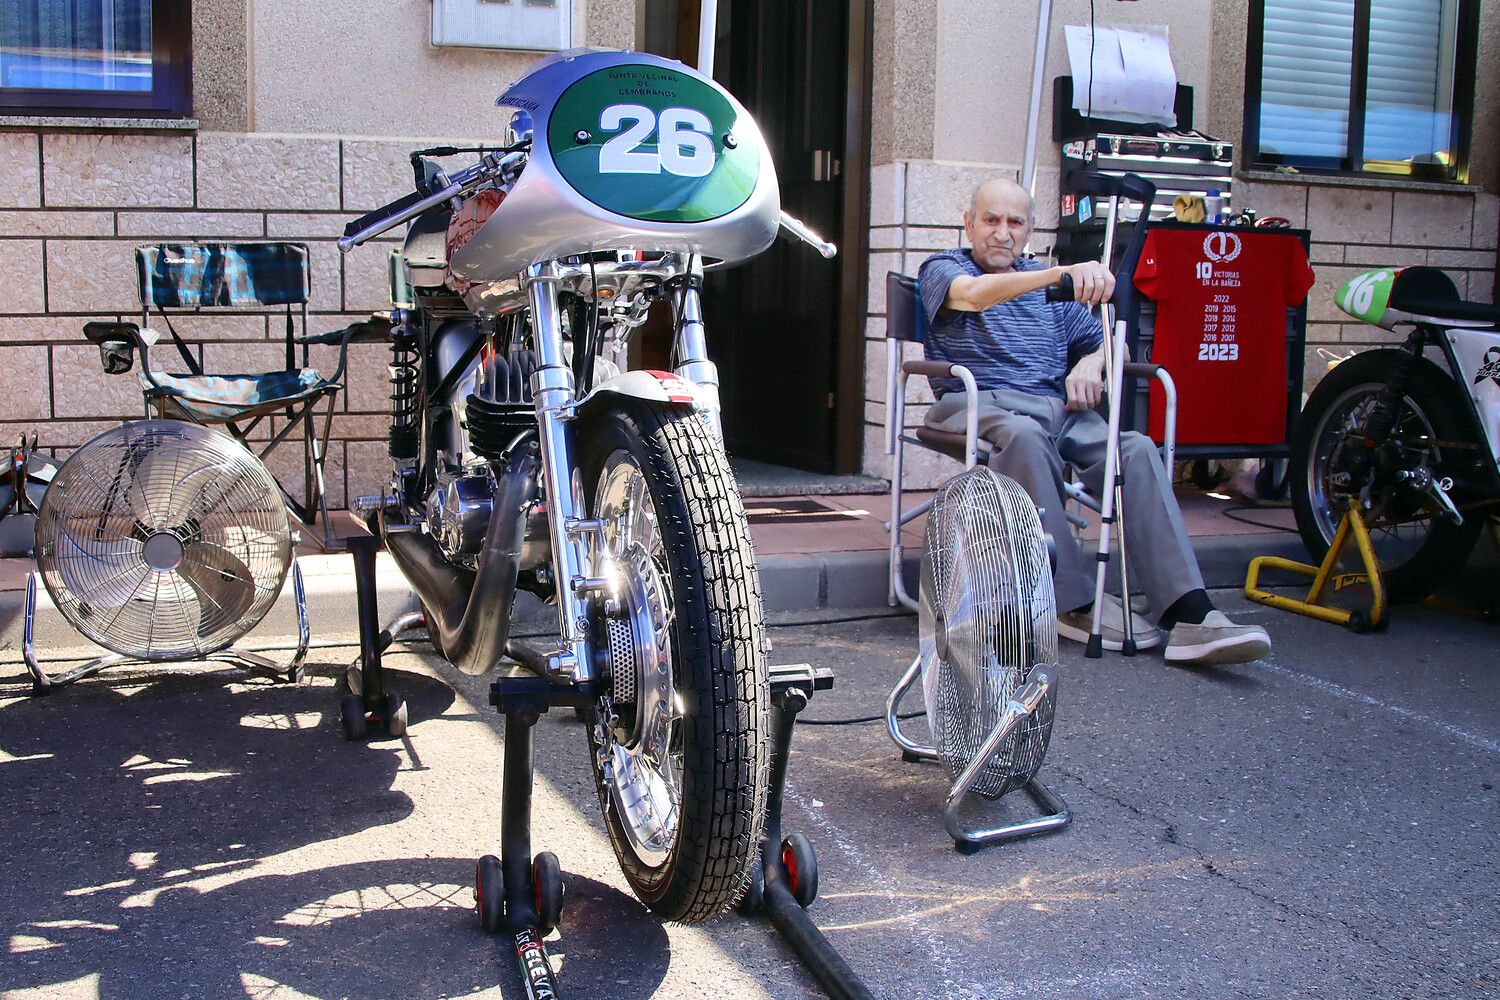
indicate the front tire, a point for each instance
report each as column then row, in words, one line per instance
column 1431, row 430
column 680, row 743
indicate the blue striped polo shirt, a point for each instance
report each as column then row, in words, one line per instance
column 1023, row 344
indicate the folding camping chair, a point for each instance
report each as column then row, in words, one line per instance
column 906, row 323
column 194, row 277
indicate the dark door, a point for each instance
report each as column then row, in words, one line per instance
column 773, row 323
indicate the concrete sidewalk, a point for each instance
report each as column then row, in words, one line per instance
column 814, row 552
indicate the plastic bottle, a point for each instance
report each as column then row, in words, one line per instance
column 1213, row 208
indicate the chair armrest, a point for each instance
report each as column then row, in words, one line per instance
column 946, row 369
column 930, row 369
column 376, row 329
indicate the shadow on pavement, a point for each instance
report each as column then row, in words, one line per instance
column 137, row 811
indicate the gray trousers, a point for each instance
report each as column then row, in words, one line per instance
column 1031, row 437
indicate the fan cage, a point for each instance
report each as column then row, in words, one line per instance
column 163, row 540
column 988, row 619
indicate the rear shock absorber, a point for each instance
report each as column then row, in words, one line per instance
column 405, row 375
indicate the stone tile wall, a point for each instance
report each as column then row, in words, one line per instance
column 916, row 209
column 73, row 208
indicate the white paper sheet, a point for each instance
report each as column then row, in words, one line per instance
column 1130, row 77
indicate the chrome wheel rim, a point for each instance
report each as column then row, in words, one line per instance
column 1396, row 535
column 640, row 740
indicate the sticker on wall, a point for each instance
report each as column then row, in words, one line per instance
column 1069, row 205
column 1085, row 209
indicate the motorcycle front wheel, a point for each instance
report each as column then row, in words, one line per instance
column 679, row 743
column 1413, row 542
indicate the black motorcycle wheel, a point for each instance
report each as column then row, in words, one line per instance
column 680, row 744
column 1431, row 430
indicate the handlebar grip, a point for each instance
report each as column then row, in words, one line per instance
column 381, row 214
column 1062, row 291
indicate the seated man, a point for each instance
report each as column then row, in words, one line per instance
column 987, row 311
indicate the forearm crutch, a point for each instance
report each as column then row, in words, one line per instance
column 1113, row 328
column 1114, row 362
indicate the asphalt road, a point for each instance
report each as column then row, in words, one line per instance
column 1322, row 823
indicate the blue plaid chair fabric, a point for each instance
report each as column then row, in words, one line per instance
column 218, row 399
column 191, row 275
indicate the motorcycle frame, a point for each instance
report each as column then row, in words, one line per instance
column 1426, row 332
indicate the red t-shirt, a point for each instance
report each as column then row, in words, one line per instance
column 1221, row 300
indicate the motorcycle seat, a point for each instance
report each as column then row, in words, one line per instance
column 1429, row 293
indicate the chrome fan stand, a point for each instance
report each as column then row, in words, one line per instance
column 1055, row 812
column 289, row 671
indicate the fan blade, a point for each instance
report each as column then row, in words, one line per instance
column 224, row 584
column 101, row 573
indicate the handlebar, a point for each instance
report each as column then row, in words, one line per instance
column 403, row 210
column 799, row 229
column 493, row 167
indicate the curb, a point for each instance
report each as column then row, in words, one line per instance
column 789, row 582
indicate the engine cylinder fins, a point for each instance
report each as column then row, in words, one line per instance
column 493, row 427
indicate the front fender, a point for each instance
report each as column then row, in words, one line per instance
column 656, row 386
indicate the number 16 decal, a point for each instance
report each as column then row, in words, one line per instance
column 683, row 144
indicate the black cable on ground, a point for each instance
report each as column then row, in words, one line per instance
column 892, row 613
column 855, row 722
column 1230, row 513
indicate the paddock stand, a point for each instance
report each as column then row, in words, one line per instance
column 787, row 881
column 366, row 702
column 522, row 895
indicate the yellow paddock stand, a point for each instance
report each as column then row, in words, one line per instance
column 1352, row 525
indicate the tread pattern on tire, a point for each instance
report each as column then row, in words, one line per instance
column 723, row 626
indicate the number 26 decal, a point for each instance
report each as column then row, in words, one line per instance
column 683, row 144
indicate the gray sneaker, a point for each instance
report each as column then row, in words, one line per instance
column 1075, row 625
column 1217, row 640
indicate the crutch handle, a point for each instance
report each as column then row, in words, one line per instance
column 1063, row 290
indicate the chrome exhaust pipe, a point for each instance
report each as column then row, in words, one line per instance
column 470, row 612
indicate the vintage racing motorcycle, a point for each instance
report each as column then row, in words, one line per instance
column 1415, row 444
column 528, row 455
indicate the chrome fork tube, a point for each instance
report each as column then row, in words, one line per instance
column 693, row 364
column 553, row 391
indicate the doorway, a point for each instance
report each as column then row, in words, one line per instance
column 786, row 329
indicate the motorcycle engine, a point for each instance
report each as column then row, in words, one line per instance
column 458, row 513
column 458, row 517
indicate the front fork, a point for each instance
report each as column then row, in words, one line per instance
column 555, row 395
column 691, row 349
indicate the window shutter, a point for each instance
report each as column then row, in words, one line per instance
column 1306, row 64
column 1409, row 97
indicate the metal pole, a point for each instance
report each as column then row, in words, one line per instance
column 1038, row 77
column 708, row 26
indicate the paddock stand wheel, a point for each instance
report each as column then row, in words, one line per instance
column 489, row 894
column 352, row 717
column 547, row 890
column 787, row 881
column 801, row 864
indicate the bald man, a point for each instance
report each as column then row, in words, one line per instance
column 987, row 311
